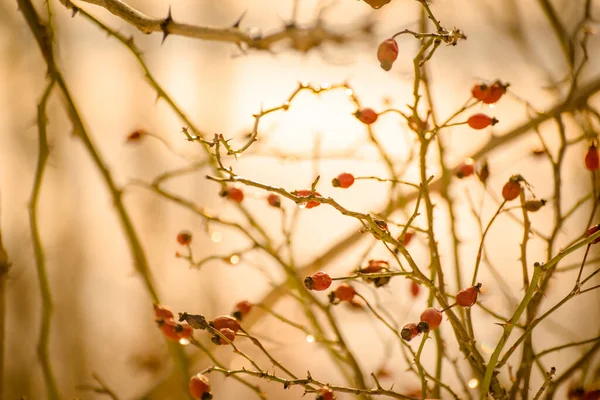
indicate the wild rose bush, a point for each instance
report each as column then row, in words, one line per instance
column 441, row 349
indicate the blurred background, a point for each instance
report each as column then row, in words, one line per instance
column 102, row 322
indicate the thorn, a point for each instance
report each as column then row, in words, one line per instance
column 165, row 25
column 239, row 21
column 75, row 11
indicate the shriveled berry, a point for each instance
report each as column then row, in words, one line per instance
column 367, row 116
column 410, row 331
column 376, row 266
column 466, row 169
column 199, row 387
column 591, row 231
column 592, row 162
column 467, row 297
column 433, row 317
column 242, row 309
column 343, row 180
column 534, row 205
column 344, row 292
column 512, row 188
column 480, row 91
column 274, row 200
column 484, row 172
column 226, row 321
column 415, row 288
column 318, row 281
column 162, row 312
column 387, row 53
column 376, row 4
column 306, row 193
column 184, row 238
column 325, row 393
column 228, row 333
column 234, row 194
column 481, row 121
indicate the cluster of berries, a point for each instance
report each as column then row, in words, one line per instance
column 431, row 318
column 178, row 332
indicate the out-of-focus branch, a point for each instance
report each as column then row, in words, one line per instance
column 4, row 267
column 46, row 297
column 301, row 38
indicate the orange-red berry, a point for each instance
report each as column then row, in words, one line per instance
column 387, row 53
column 481, row 121
column 162, row 312
column 467, row 297
column 591, row 231
column 242, row 309
column 512, row 188
column 184, row 238
column 343, row 180
column 345, row 292
column 367, row 116
column 234, row 194
column 410, row 331
column 415, row 288
column 199, row 387
column 169, row 329
column 407, row 238
column 432, row 317
column 306, row 193
column 466, row 169
column 325, row 393
column 136, row 136
column 184, row 331
column 376, row 4
column 228, row 333
column 489, row 94
column 274, row 200
column 318, row 281
column 592, row 162
column 376, row 266
column 226, row 321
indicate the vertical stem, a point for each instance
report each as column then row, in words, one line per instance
column 4, row 267
column 44, row 284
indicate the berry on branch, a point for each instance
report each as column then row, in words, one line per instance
column 318, row 281
column 481, row 121
column 366, row 116
column 343, row 180
column 199, row 387
column 387, row 53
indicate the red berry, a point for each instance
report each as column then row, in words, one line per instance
column 592, row 161
column 410, row 331
column 184, row 331
column 489, row 94
column 169, row 329
column 415, row 288
column 484, row 172
column 366, row 116
column 325, row 394
column 345, row 292
column 242, row 309
column 199, row 387
column 306, row 193
column 162, row 312
column 432, row 317
column 318, row 281
column 387, row 53
column 481, row 121
column 512, row 188
column 591, row 231
column 228, row 333
column 184, row 238
column 135, row 136
column 466, row 169
column 233, row 194
column 468, row 297
column 226, row 321
column 407, row 238
column 377, row 3
column 274, row 200
column 480, row 91
column 375, row 266
column 343, row 180
column 495, row 92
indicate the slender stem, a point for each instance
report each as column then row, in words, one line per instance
column 44, row 283
column 4, row 268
